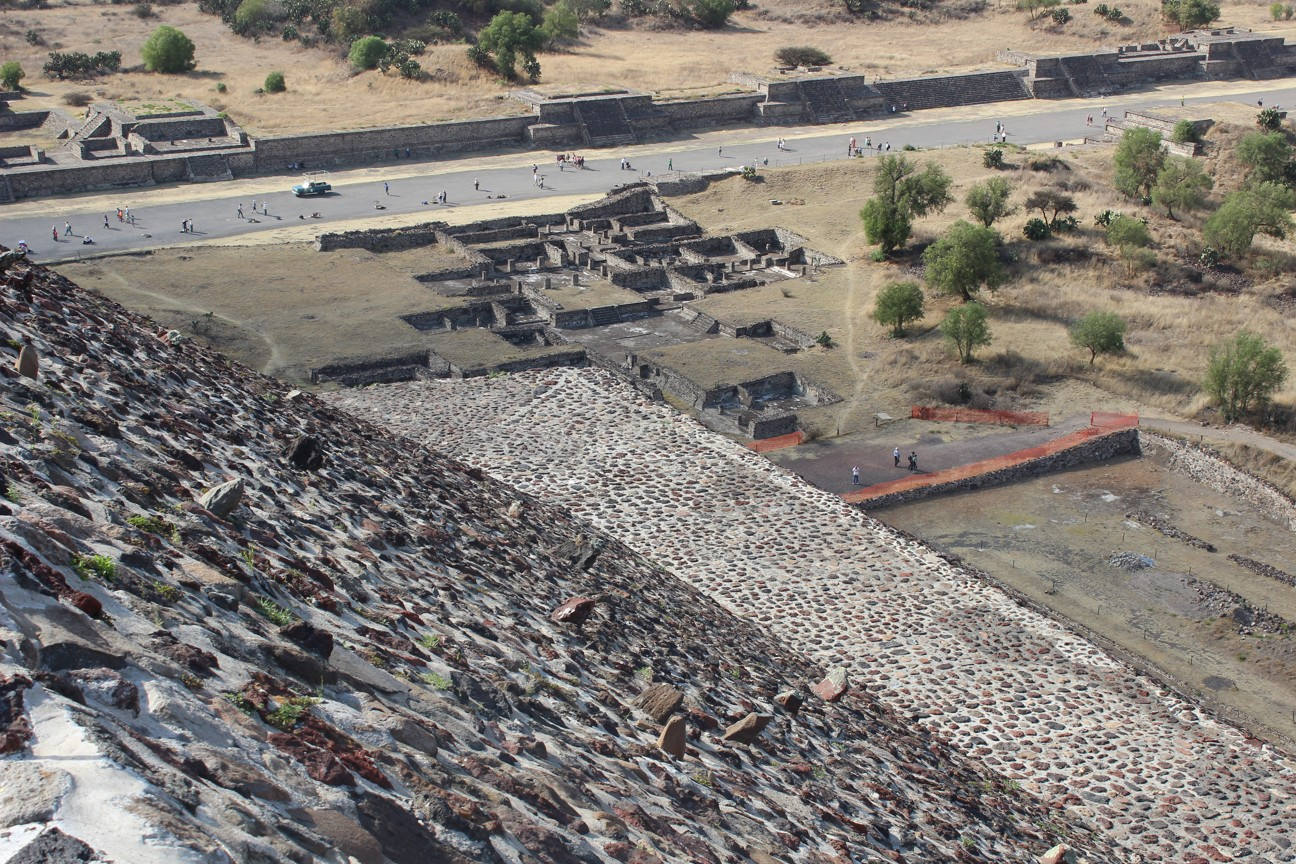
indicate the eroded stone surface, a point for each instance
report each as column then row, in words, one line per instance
column 1008, row 686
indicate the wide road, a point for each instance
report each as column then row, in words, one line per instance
column 213, row 210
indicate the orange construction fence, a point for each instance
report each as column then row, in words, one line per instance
column 974, row 415
column 1112, row 420
column 778, row 442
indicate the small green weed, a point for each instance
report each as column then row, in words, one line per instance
column 152, row 525
column 239, row 701
column 644, row 674
column 430, row 641
column 290, row 712
column 249, row 558
column 12, row 495
column 704, row 778
column 278, row 614
column 169, row 593
column 436, row 680
column 968, row 841
column 101, row 568
column 192, row 681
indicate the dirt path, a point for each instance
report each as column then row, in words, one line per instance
column 1227, row 434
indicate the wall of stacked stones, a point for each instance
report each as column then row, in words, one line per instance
column 712, row 112
column 110, row 174
column 1210, row 469
column 381, row 239
column 1103, row 447
column 275, row 154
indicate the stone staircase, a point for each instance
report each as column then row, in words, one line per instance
column 207, row 168
column 603, row 315
column 947, row 90
column 96, row 126
column 824, row 102
column 6, row 193
column 1085, row 75
column 604, row 123
column 1256, row 59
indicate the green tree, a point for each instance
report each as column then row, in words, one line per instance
column 897, row 304
column 257, row 14
column 885, row 224
column 508, row 35
column 11, row 75
column 804, row 55
column 1243, row 373
column 988, row 201
column 1051, row 203
column 1138, row 160
column 1190, row 14
column 1264, row 208
column 168, row 51
column 349, row 23
column 901, row 193
column 1037, row 7
column 965, row 329
column 1181, row 183
column 366, row 52
column 964, row 260
column 1276, row 11
column 274, row 83
column 712, row 13
column 1100, row 332
column 561, row 21
column 1265, row 154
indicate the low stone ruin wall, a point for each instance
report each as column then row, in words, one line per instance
column 1210, row 469
column 381, row 239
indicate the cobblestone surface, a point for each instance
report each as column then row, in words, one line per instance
column 1006, row 685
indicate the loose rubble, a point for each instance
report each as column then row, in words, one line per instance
column 1004, row 684
column 1131, row 561
column 356, row 660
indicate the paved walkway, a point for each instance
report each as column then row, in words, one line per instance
column 1006, row 685
column 213, row 207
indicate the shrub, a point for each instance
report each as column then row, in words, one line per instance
column 257, row 15
column 1190, row 14
column 1243, row 373
column 1269, row 119
column 274, row 83
column 168, row 51
column 101, row 568
column 447, row 19
column 561, row 22
column 11, row 75
column 1115, row 14
column 143, row 11
column 712, row 13
column 1101, row 10
column 366, row 52
column 75, row 64
column 270, row 609
column 993, row 158
column 897, row 304
column 801, row 56
column 506, row 36
column 1276, row 11
column 1036, row 229
column 1185, row 132
column 1060, row 16
column 34, row 38
column 221, row 87
column 77, row 100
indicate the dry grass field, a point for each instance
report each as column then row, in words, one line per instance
column 324, row 94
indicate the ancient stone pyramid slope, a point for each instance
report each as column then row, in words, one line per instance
column 354, row 659
column 1002, row 683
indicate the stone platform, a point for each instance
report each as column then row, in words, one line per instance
column 1006, row 685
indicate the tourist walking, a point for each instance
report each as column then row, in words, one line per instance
column 54, row 231
column 105, row 221
column 850, row 148
column 895, row 454
column 670, row 164
column 386, row 188
column 240, row 211
column 476, row 184
column 855, row 476
column 67, row 228
column 913, row 461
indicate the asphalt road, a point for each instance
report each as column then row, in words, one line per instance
column 217, row 214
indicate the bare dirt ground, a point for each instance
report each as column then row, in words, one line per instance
column 1058, row 533
column 323, row 93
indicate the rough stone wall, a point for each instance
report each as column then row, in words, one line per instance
column 1211, row 469
column 1122, row 442
column 113, row 174
column 381, row 239
column 334, row 148
column 711, row 112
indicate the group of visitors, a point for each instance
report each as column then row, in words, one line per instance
column 895, row 455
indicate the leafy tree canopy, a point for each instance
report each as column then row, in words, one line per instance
column 966, row 328
column 1100, row 332
column 1138, row 160
column 988, row 201
column 169, row 51
column 897, row 304
column 1243, row 373
column 1182, row 184
column 964, row 260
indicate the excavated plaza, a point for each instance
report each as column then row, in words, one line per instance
column 1005, row 684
